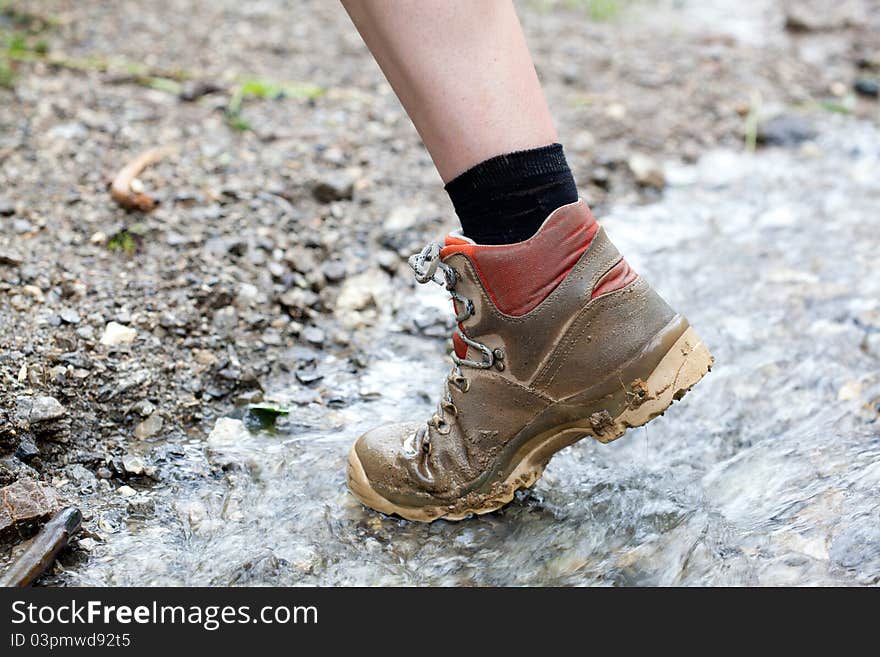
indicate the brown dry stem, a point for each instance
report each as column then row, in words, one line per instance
column 122, row 191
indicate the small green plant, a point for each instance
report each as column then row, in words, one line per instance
column 19, row 39
column 264, row 415
column 752, row 119
column 841, row 106
column 265, row 89
column 7, row 75
column 124, row 241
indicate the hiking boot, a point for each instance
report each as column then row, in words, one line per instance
column 558, row 339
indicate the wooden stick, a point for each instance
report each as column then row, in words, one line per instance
column 41, row 553
column 121, row 188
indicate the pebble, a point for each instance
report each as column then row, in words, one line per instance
column 334, row 186
column 388, row 260
column 7, row 207
column 314, row 336
column 144, row 408
column 646, row 171
column 227, row 432
column 24, row 501
column 334, row 271
column 10, row 257
column 141, row 505
column 69, row 316
column 403, row 217
column 116, row 334
column 126, row 491
column 149, row 427
column 133, row 465
column 867, row 87
column 27, row 450
column 34, row 292
column 37, row 410
column 362, row 291
column 785, row 130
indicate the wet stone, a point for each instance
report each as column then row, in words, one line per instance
column 39, row 410
column 149, row 427
column 133, row 465
column 867, row 87
column 27, row 450
column 786, row 130
column 25, row 501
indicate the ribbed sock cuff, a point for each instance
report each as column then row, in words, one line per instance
column 501, row 169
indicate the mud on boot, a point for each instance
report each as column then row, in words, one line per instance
column 558, row 339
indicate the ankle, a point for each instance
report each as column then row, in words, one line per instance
column 507, row 198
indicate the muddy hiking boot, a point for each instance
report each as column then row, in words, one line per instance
column 558, row 339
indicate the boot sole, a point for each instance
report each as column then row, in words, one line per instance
column 680, row 369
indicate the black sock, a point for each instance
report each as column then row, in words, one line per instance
column 506, row 198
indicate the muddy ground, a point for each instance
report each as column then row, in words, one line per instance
column 292, row 191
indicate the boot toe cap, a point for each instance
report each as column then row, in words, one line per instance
column 381, row 453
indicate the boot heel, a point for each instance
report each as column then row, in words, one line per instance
column 686, row 362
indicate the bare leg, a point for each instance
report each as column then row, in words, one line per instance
column 463, row 72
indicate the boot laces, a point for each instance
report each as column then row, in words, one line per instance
column 428, row 267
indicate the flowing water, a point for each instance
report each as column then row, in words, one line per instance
column 767, row 473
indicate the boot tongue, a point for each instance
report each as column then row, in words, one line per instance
column 454, row 240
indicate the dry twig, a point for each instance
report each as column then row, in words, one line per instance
column 127, row 190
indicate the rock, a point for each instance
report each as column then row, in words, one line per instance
column 10, row 257
column 144, row 408
column 225, row 320
column 388, row 260
column 149, row 427
column 584, row 141
column 39, row 410
column 69, row 316
column 403, row 217
column 314, row 336
column 334, row 186
column 785, row 130
column 298, row 299
column 7, row 207
column 601, row 177
column 68, row 132
column 25, row 501
column 126, row 491
column 22, row 226
column 129, row 382
column 334, row 271
column 133, row 465
column 141, row 505
column 248, row 294
column 867, row 87
column 192, row 90
column 646, row 171
column 308, row 376
column 27, row 450
column 227, row 432
column 362, row 291
column 34, row 293
column 116, row 334
column 822, row 16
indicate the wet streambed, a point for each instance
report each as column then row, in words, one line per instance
column 767, row 473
